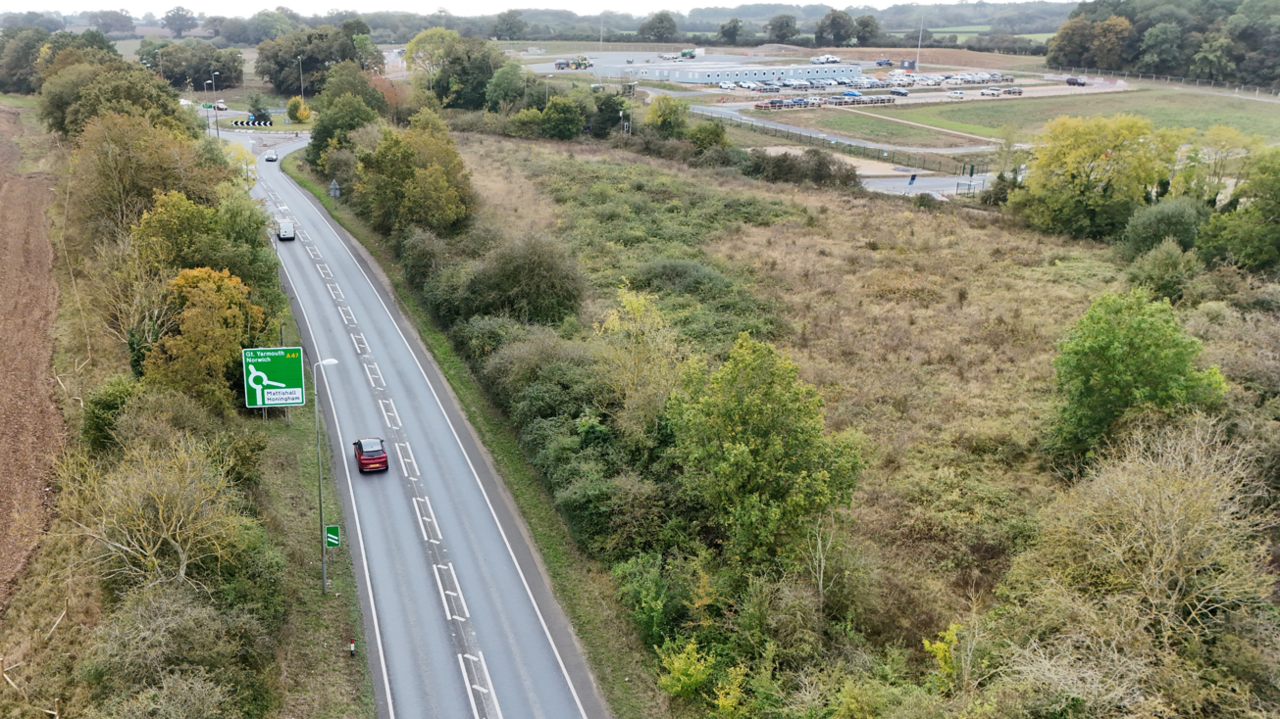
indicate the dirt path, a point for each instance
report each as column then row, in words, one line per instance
column 30, row 425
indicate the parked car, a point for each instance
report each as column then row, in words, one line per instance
column 1008, row 78
column 899, row 91
column 371, row 454
column 955, row 95
column 990, row 92
column 1076, row 81
column 728, row 86
column 768, row 88
column 1013, row 91
column 884, row 63
column 852, row 93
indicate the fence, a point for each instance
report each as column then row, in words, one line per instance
column 1235, row 87
column 928, row 163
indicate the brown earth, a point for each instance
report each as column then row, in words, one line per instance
column 30, row 425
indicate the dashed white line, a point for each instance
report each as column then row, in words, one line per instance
column 362, row 347
column 334, row 291
column 374, row 374
column 314, row 252
column 326, row 273
column 348, row 317
column 389, row 414
column 408, row 465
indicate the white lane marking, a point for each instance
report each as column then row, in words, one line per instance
column 476, row 476
column 489, row 680
column 389, row 414
column 482, row 683
column 444, row 603
column 362, row 347
column 427, row 519
column 325, row 272
column 453, row 589
column 348, row 317
column 408, row 465
column 314, row 252
column 334, row 291
column 355, row 516
column 457, row 585
column 374, row 374
column 463, row 667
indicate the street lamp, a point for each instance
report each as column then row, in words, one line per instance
column 324, row 562
column 302, row 89
column 206, row 110
column 216, row 129
column 548, row 86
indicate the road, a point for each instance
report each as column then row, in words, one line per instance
column 459, row 619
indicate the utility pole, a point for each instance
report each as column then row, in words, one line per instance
column 302, row 88
column 919, row 41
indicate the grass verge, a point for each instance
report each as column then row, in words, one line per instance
column 583, row 587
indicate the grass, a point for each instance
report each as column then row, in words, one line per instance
column 1164, row 107
column 583, row 586
column 863, row 127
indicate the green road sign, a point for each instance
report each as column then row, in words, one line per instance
column 273, row 377
column 331, row 536
column 207, row 105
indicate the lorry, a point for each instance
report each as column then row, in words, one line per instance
column 692, row 53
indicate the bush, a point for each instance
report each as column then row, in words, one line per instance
column 101, row 407
column 708, row 135
column 297, row 110
column 683, row 277
column 482, row 335
column 1126, row 353
column 532, row 280
column 562, row 119
column 814, row 166
column 1176, row 218
column 1166, row 270
column 656, row 605
column 421, row 254
column 998, row 193
column 527, row 123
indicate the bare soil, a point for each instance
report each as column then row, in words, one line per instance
column 30, row 424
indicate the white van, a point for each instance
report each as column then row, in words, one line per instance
column 285, row 231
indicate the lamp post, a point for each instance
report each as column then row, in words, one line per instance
column 315, row 384
column 302, row 88
column 206, row 110
column 548, row 86
column 216, row 129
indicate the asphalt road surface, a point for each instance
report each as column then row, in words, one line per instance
column 459, row 620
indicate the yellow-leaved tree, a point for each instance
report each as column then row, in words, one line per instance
column 640, row 362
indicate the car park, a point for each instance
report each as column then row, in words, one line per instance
column 371, row 454
column 990, row 92
column 1013, row 91
column 899, row 91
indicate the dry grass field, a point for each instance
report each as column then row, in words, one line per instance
column 930, row 332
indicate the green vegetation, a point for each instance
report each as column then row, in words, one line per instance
column 1166, row 108
column 868, row 128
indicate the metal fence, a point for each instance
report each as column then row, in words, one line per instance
column 928, row 163
column 1234, row 87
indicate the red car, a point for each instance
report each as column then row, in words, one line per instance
column 371, row 454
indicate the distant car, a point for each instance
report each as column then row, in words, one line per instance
column 271, row 156
column 955, row 95
column 1076, row 81
column 990, row 92
column 371, row 454
column 1013, row 91
column 884, row 63
column 220, row 106
column 852, row 93
column 900, row 92
column 727, row 86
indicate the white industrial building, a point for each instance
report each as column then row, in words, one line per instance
column 699, row 73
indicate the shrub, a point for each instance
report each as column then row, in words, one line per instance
column 998, row 193
column 482, row 335
column 421, row 254
column 614, row 517
column 1249, row 235
column 533, row 280
column 1176, row 218
column 297, row 110
column 1166, row 270
column 687, row 669
column 814, row 166
column 101, row 407
column 1127, row 352
column 683, row 277
column 527, row 123
column 708, row 135
column 656, row 605
column 562, row 119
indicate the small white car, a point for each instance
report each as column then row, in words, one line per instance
column 990, row 92
column 955, row 95
column 727, row 86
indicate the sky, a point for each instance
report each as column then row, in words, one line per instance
column 245, row 8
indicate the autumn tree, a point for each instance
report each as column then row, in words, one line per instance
column 1088, row 175
column 179, row 20
column 836, row 28
column 335, row 125
column 215, row 320
column 749, row 439
column 562, row 119
column 667, row 115
column 659, row 27
column 1249, row 235
column 781, row 28
column 731, row 31
column 1107, row 45
column 640, row 358
column 346, row 78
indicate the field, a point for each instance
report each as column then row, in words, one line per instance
column 1164, row 107
column 863, row 127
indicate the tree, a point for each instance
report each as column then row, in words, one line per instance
column 121, row 161
column 781, row 28
column 345, row 114
column 1107, row 47
column 508, row 25
column 708, row 135
column 609, row 108
column 1161, row 48
column 750, row 443
column 1215, row 59
column 297, row 110
column 562, row 119
column 179, row 20
column 640, row 356
column 506, row 87
column 659, row 27
column 346, row 78
column 110, row 21
column 1250, row 235
column 320, row 48
column 1071, row 44
column 836, row 27
column 667, row 115
column 465, row 73
column 1087, row 175
column 215, row 321
column 19, row 49
column 1126, row 353
column 867, row 28
column 1221, row 147
column 1175, row 218
column 730, row 31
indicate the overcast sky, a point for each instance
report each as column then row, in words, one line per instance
column 245, row 8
